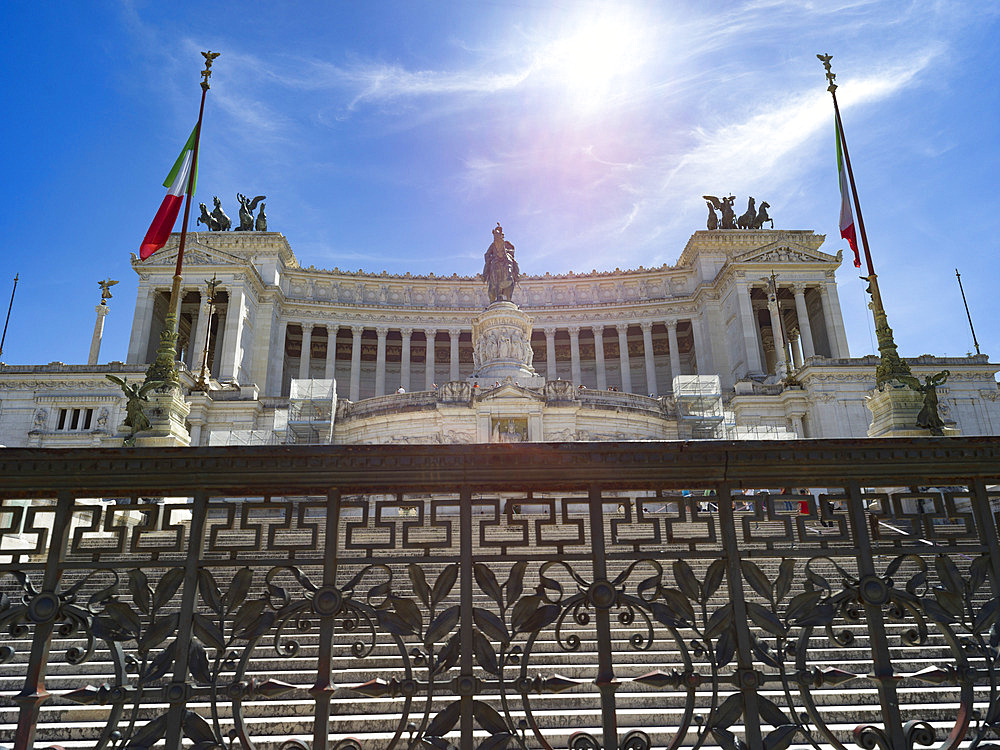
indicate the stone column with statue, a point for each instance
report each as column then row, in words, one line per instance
column 501, row 334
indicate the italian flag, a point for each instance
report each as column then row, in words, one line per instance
column 177, row 182
column 846, row 215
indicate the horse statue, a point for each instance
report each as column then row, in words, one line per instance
column 500, row 270
column 762, row 217
column 246, row 211
column 207, row 219
column 747, row 219
column 725, row 208
column 220, row 216
column 713, row 220
column 261, row 225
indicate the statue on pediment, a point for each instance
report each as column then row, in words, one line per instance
column 762, row 217
column 748, row 217
column 725, row 209
column 500, row 270
column 135, row 399
column 752, row 218
column 216, row 221
column 247, row 207
column 928, row 418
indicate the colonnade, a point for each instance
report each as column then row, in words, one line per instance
column 445, row 354
column 769, row 318
column 228, row 341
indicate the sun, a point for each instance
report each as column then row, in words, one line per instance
column 596, row 60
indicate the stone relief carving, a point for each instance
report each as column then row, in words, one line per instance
column 504, row 343
column 560, row 390
column 458, row 436
column 781, row 255
column 455, row 391
column 562, row 436
column 41, row 418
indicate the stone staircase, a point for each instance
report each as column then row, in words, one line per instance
column 374, row 720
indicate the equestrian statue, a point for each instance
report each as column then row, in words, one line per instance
column 500, row 270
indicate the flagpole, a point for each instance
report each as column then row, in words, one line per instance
column 960, row 288
column 11, row 306
column 891, row 367
column 163, row 367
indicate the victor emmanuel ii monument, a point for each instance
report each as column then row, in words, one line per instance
column 741, row 337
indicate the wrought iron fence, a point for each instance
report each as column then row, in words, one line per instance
column 761, row 595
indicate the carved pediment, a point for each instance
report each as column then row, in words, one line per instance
column 195, row 254
column 508, row 390
column 785, row 252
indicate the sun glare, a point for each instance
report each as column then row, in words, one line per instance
column 594, row 62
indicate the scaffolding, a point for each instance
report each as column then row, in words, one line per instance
column 311, row 407
column 699, row 406
column 243, row 437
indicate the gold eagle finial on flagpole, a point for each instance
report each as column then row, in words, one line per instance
column 830, row 75
column 207, row 72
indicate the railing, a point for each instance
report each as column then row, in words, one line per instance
column 421, row 596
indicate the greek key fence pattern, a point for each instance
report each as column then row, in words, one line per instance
column 623, row 596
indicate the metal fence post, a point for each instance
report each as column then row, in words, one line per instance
column 747, row 677
column 43, row 611
column 874, row 593
column 986, row 524
column 466, row 681
column 176, row 693
column 602, row 596
column 327, row 598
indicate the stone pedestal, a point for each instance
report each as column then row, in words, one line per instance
column 894, row 413
column 501, row 337
column 167, row 411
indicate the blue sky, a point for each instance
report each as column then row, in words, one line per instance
column 393, row 135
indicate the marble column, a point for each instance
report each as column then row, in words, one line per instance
column 330, row 370
column 767, row 343
column 276, row 363
column 430, row 333
column 404, row 363
column 793, row 340
column 221, row 337
column 574, row 352
column 675, row 351
column 95, row 341
column 550, row 354
column 780, row 363
column 831, row 329
column 623, row 360
column 647, row 351
column 141, row 322
column 232, row 351
column 751, row 334
column 802, row 314
column 836, row 318
column 201, row 334
column 307, row 329
column 453, row 334
column 702, row 347
column 602, row 377
column 355, row 393
column 381, row 332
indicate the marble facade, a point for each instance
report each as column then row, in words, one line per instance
column 622, row 335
